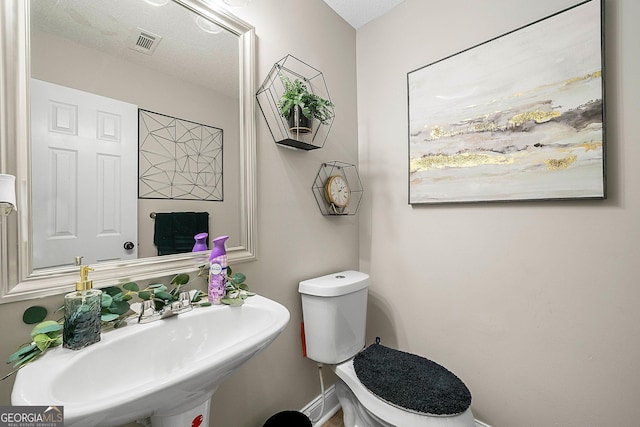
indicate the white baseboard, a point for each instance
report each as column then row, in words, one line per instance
column 331, row 406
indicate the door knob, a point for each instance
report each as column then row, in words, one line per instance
column 129, row 245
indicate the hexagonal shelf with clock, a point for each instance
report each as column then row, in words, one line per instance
column 338, row 189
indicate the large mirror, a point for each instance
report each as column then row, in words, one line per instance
column 168, row 86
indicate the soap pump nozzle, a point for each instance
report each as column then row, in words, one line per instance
column 84, row 284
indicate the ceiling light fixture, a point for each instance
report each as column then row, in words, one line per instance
column 157, row 3
column 237, row 3
column 207, row 26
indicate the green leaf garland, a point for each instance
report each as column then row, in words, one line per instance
column 115, row 311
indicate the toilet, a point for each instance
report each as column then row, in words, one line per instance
column 377, row 385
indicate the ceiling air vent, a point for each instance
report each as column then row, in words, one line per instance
column 146, row 41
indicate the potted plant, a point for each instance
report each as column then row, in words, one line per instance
column 300, row 107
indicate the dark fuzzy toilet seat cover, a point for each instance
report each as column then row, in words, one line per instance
column 411, row 382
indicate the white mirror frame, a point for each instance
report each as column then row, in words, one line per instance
column 17, row 281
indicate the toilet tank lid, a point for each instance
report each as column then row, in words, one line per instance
column 331, row 285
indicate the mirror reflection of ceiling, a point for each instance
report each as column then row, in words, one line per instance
column 190, row 47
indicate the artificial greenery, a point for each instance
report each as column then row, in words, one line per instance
column 116, row 309
column 237, row 290
column 34, row 314
column 45, row 334
column 115, row 299
column 312, row 105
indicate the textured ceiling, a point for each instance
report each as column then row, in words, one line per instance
column 113, row 27
column 359, row 12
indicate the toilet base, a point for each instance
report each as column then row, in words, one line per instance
column 361, row 408
column 353, row 413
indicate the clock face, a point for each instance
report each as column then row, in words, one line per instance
column 337, row 191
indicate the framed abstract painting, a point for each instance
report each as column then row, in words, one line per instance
column 519, row 117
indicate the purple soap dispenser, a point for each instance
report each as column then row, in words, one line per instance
column 217, row 270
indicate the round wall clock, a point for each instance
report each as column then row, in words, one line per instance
column 337, row 191
column 337, row 188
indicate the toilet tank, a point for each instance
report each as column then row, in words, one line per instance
column 334, row 309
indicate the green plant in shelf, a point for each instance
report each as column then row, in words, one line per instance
column 311, row 105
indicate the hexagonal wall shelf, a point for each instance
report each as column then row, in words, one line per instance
column 271, row 91
column 338, row 189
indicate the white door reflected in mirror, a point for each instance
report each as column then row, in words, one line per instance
column 85, row 149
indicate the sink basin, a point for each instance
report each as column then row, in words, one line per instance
column 145, row 370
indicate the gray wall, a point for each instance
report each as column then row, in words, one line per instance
column 296, row 241
column 534, row 305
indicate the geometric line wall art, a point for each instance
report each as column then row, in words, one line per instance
column 519, row 117
column 178, row 159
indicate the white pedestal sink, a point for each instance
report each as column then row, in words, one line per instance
column 166, row 370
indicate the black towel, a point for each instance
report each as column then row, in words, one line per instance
column 174, row 231
column 411, row 382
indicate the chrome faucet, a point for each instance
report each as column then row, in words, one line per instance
column 148, row 312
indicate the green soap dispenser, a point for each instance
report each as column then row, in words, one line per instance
column 82, row 313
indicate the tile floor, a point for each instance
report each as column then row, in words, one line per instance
column 335, row 421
